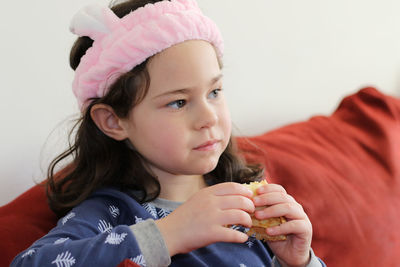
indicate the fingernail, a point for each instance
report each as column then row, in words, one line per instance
column 250, row 192
column 261, row 190
column 256, row 200
column 260, row 214
column 272, row 230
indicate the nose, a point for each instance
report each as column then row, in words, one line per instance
column 206, row 116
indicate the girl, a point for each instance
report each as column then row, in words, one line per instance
column 154, row 177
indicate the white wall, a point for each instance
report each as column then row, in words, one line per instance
column 285, row 61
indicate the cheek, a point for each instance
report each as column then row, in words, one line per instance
column 165, row 136
column 225, row 120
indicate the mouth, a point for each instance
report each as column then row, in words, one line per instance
column 207, row 146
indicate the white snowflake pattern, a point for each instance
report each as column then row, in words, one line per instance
column 28, row 253
column 114, row 211
column 138, row 219
column 242, row 265
column 250, row 242
column 60, row 240
column 150, row 209
column 139, row 260
column 236, row 227
column 64, row 259
column 104, row 226
column 115, row 238
column 68, row 217
column 163, row 213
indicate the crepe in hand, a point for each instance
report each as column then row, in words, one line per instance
column 259, row 226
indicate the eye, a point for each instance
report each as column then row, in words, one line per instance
column 214, row 93
column 177, row 104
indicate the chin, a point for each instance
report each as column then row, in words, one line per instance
column 207, row 168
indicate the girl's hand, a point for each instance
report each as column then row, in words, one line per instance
column 295, row 250
column 202, row 219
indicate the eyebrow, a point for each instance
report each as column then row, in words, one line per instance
column 185, row 90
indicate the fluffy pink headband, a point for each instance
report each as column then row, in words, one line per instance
column 121, row 44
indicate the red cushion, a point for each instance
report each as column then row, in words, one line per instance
column 23, row 221
column 127, row 263
column 345, row 171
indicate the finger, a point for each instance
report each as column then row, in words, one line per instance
column 235, row 216
column 230, row 188
column 225, row 234
column 268, row 188
column 236, row 202
column 297, row 227
column 273, row 198
column 290, row 210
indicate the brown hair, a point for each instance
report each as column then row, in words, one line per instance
column 100, row 161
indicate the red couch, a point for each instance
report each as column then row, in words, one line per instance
column 343, row 168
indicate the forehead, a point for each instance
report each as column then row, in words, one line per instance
column 185, row 65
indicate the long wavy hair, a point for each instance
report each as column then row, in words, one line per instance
column 96, row 160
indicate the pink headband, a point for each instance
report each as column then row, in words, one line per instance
column 121, row 44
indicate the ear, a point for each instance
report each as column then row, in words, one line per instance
column 109, row 123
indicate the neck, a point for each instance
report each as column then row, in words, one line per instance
column 180, row 187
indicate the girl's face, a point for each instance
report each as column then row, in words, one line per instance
column 183, row 124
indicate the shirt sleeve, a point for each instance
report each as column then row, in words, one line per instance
column 90, row 235
column 151, row 243
column 314, row 261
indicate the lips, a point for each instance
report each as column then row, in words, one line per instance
column 207, row 146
